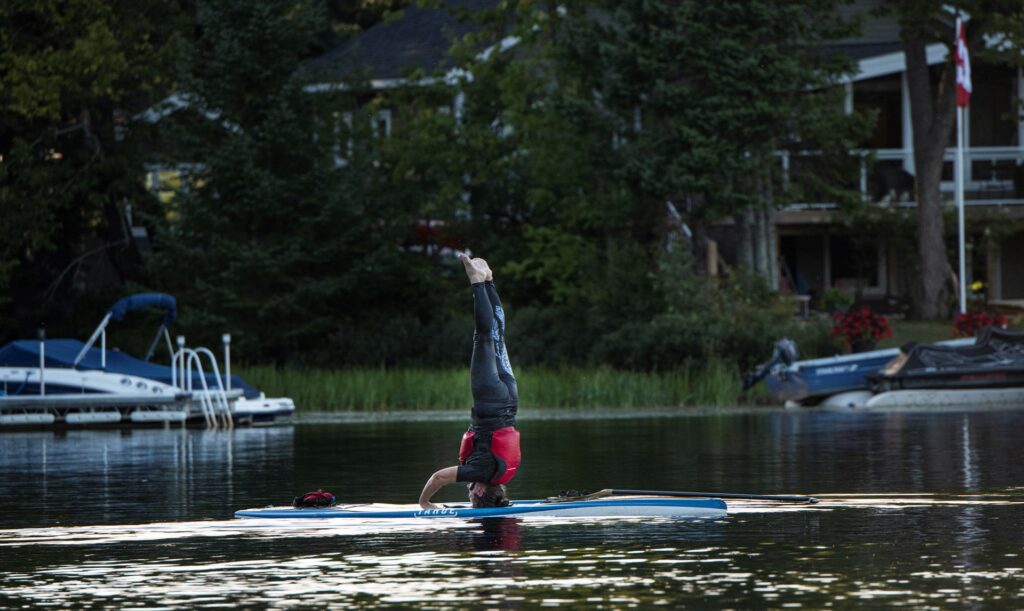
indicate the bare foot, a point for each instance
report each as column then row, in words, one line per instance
column 488, row 274
column 476, row 269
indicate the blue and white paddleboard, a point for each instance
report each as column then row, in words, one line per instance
column 613, row 507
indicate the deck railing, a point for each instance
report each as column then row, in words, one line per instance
column 993, row 175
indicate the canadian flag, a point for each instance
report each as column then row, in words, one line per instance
column 963, row 66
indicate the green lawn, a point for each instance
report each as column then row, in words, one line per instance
column 904, row 331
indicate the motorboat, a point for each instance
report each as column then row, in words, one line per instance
column 986, row 373
column 70, row 382
column 808, row 382
column 994, row 360
column 983, row 371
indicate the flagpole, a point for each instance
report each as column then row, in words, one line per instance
column 963, row 87
column 960, row 204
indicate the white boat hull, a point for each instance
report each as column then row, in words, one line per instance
column 948, row 398
column 82, row 398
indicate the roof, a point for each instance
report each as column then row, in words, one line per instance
column 859, row 51
column 419, row 39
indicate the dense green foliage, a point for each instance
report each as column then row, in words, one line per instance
column 296, row 229
column 71, row 74
column 76, row 80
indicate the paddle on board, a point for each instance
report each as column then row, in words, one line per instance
column 714, row 495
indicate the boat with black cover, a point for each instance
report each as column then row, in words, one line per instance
column 994, row 360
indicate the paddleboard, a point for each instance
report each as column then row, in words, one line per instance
column 613, row 507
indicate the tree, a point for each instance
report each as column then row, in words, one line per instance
column 685, row 101
column 933, row 107
column 571, row 143
column 296, row 253
column 73, row 74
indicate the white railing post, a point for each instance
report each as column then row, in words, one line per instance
column 181, row 350
column 42, row 361
column 226, row 338
column 864, row 180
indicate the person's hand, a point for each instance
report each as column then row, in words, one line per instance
column 428, row 505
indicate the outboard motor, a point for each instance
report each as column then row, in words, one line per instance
column 784, row 352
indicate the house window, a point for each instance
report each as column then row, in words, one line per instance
column 166, row 182
column 993, row 107
column 382, row 123
column 342, row 135
column 855, row 265
column 884, row 96
column 803, row 263
column 501, row 129
column 1012, row 261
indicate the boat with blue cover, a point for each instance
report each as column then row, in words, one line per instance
column 70, row 382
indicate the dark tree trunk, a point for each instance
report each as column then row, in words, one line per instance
column 932, row 120
column 744, row 240
column 700, row 244
column 770, row 238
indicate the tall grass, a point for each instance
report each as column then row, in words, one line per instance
column 363, row 389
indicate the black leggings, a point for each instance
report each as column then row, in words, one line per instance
column 493, row 385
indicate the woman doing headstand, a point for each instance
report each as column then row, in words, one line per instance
column 489, row 454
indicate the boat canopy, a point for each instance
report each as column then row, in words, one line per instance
column 130, row 304
column 146, row 300
column 62, row 353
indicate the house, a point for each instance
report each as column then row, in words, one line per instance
column 407, row 51
column 814, row 252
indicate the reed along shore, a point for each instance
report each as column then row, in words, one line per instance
column 381, row 389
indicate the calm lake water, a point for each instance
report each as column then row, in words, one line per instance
column 922, row 510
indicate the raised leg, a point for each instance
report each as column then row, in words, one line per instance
column 486, row 384
column 498, row 335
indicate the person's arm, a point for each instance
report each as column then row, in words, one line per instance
column 437, row 481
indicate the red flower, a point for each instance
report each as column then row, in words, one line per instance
column 967, row 324
column 860, row 324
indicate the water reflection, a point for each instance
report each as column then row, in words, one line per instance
column 134, row 475
column 917, row 510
